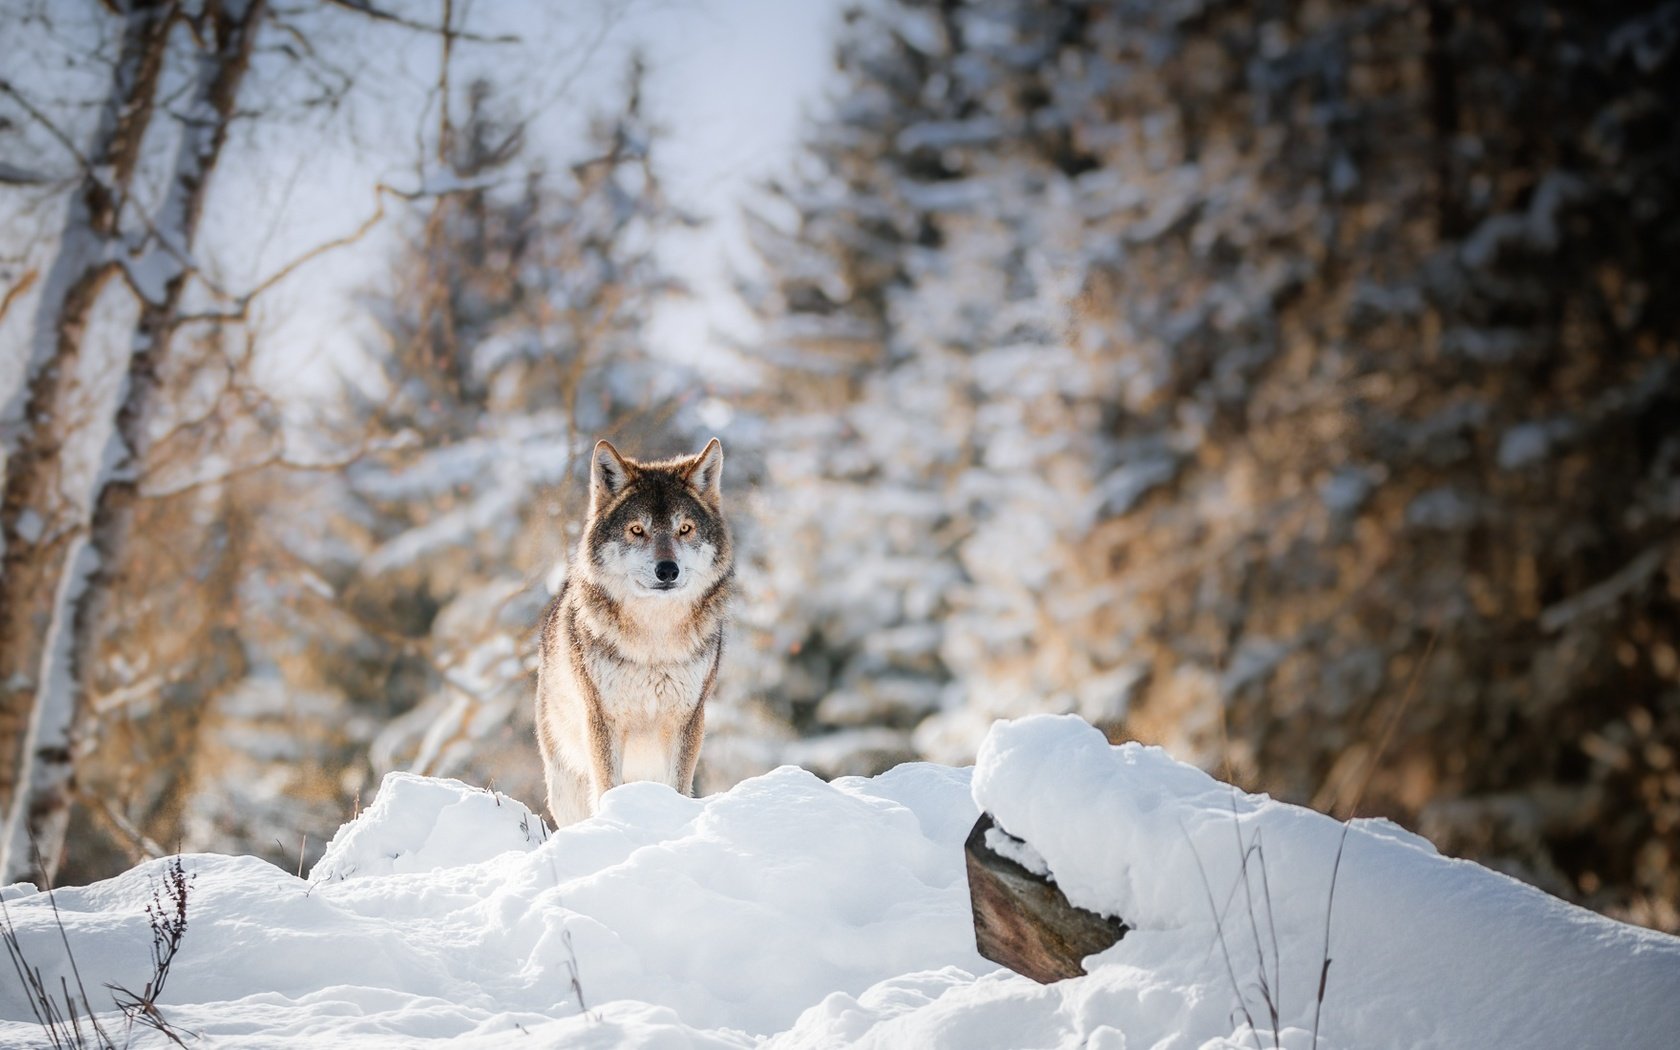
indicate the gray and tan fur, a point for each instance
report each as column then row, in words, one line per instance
column 631, row 644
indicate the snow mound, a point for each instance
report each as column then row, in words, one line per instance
column 1425, row 950
column 420, row 824
column 708, row 922
column 793, row 913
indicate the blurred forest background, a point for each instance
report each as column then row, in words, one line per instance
column 1295, row 385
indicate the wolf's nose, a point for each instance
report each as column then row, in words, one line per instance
column 666, row 571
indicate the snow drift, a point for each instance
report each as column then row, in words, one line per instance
column 789, row 912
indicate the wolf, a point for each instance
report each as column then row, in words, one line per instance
column 632, row 643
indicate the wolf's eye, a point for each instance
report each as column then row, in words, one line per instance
column 636, row 530
column 687, row 527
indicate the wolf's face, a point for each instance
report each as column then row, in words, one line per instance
column 657, row 529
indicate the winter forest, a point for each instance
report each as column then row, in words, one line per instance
column 1294, row 386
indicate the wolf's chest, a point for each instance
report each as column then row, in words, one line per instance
column 649, row 692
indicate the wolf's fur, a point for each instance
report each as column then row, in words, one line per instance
column 628, row 665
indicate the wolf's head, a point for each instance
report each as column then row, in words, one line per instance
column 656, row 529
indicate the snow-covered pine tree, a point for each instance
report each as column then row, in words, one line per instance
column 918, row 336
column 845, row 614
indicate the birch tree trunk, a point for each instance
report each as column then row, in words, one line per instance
column 40, row 810
column 40, row 528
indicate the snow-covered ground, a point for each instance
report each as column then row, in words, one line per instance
column 789, row 912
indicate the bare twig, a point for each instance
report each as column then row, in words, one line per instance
column 379, row 14
column 572, row 971
column 41, row 1001
column 140, row 846
column 64, row 938
column 242, row 302
column 1268, row 993
column 46, row 122
column 169, row 928
column 56, row 1012
column 276, row 460
column 23, row 284
column 1341, row 844
column 1324, row 955
column 1219, row 931
column 1271, row 925
column 241, row 309
column 1392, row 723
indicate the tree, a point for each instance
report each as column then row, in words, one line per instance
column 837, row 241
column 38, row 525
column 925, row 283
column 172, row 643
column 1233, row 374
column 157, row 273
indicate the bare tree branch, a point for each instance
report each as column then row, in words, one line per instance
column 45, row 121
column 13, row 175
column 23, row 284
column 362, row 7
column 277, row 460
column 241, row 309
column 140, row 847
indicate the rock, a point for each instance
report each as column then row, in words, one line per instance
column 1023, row 921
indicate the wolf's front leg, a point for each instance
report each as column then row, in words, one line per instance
column 694, row 730
column 568, row 795
column 688, row 749
column 604, row 754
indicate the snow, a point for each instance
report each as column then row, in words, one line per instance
column 420, row 824
column 1006, row 845
column 1535, row 230
column 944, row 134
column 1426, row 950
column 30, row 525
column 789, row 912
column 1122, row 489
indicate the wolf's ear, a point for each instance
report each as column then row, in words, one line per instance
column 608, row 473
column 705, row 474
